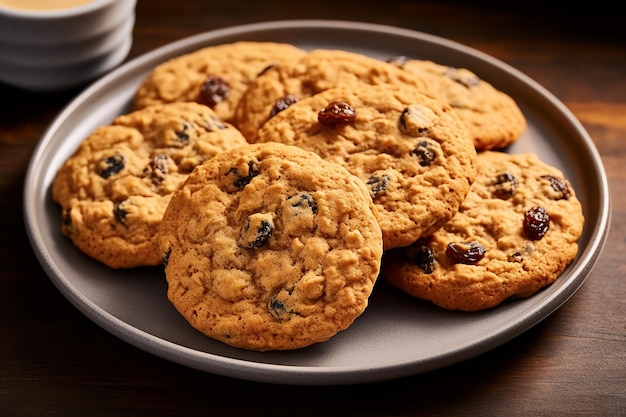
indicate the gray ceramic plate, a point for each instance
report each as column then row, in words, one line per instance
column 396, row 336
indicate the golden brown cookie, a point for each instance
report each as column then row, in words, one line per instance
column 515, row 233
column 413, row 153
column 493, row 118
column 315, row 72
column 215, row 75
column 114, row 189
column 269, row 247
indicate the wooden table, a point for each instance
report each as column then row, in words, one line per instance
column 56, row 362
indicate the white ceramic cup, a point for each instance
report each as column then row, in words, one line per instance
column 55, row 49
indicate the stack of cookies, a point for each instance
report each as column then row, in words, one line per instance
column 278, row 185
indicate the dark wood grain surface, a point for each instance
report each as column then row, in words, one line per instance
column 56, row 362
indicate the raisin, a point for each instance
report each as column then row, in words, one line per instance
column 119, row 212
column 536, row 223
column 505, row 186
column 256, row 230
column 303, row 200
column 183, row 135
column 423, row 256
column 465, row 78
column 469, row 253
column 378, row 184
column 282, row 104
column 425, row 153
column 560, row 186
column 416, row 120
column 158, row 168
column 299, row 214
column 336, row 113
column 398, row 60
column 278, row 306
column 243, row 180
column 110, row 165
column 214, row 90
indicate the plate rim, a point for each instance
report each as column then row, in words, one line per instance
column 308, row 375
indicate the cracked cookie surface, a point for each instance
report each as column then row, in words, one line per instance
column 269, row 247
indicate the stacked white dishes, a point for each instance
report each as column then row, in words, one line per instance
column 54, row 49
